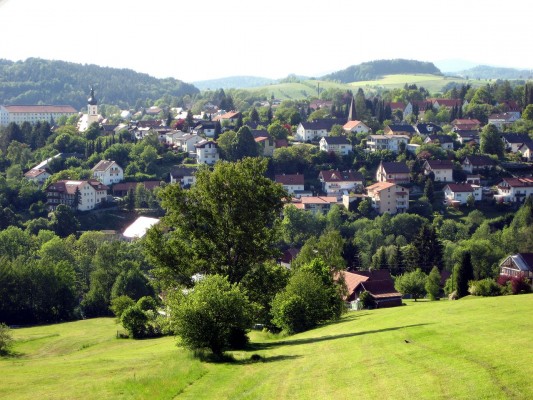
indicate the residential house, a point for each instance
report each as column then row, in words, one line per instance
column 458, row 193
column 229, row 118
column 314, row 130
column 468, row 137
column 264, row 141
column 187, row 143
column 90, row 194
column 206, row 128
column 315, row 204
column 419, row 106
column 184, row 176
column 514, row 189
column 356, row 127
column 318, row 104
column 388, row 197
column 503, row 119
column 336, row 183
column 441, row 169
column 513, row 141
column 518, row 265
column 396, row 106
column 292, row 183
column 527, row 151
column 172, row 136
column 123, row 188
column 465, row 125
column 446, row 103
column 379, row 284
column 289, row 256
column 386, row 142
column 394, row 172
column 444, row 141
column 426, row 129
column 37, row 175
column 339, row 145
column 400, row 129
column 477, row 163
column 206, row 152
column 108, row 172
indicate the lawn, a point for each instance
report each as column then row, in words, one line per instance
column 474, row 348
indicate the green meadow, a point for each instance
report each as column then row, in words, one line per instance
column 474, row 348
column 308, row 88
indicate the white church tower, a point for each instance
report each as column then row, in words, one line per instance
column 92, row 108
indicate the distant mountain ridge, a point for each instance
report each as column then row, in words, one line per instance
column 39, row 81
column 234, row 82
column 489, row 72
column 377, row 69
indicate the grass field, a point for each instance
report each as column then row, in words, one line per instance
column 475, row 348
column 308, row 88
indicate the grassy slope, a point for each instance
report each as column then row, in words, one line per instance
column 308, row 88
column 473, row 348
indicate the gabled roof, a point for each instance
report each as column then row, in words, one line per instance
column 104, row 165
column 394, row 105
column 503, row 116
column 179, row 172
column 440, row 138
column 393, row 167
column 338, row 176
column 523, row 261
column 402, row 128
column 290, row 179
column 516, row 138
column 70, row 186
column 448, row 102
column 260, row 133
column 518, row 182
column 427, row 129
column 352, row 281
column 378, row 187
column 460, row 187
column 381, row 289
column 352, row 124
column 479, row 160
column 336, row 140
column 204, row 143
column 320, row 124
column 40, row 109
column 34, row 173
column 466, row 121
column 318, row 200
column 230, row 115
column 440, row 164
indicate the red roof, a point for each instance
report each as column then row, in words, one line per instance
column 34, row 173
column 460, row 187
column 40, row 109
column 337, row 176
column 381, row 289
column 448, row 102
column 290, row 179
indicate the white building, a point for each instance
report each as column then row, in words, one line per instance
column 292, row 183
column 337, row 183
column 206, row 152
column 386, row 142
column 514, row 189
column 39, row 176
column 356, row 127
column 458, row 193
column 108, row 172
column 33, row 114
column 339, row 145
column 91, row 194
column 139, row 228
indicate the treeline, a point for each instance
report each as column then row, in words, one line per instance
column 487, row 72
column 376, row 69
column 38, row 81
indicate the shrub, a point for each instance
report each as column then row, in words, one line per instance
column 306, row 302
column 514, row 285
column 485, row 287
column 5, row 339
column 366, row 300
column 147, row 303
column 135, row 321
column 215, row 315
column 120, row 304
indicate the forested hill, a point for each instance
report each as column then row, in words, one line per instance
column 38, row 81
column 376, row 69
column 487, row 72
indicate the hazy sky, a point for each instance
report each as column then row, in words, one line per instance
column 198, row 40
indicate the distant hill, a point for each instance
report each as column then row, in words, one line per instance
column 234, row 82
column 377, row 69
column 38, row 81
column 488, row 72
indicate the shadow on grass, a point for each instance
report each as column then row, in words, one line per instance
column 228, row 358
column 263, row 346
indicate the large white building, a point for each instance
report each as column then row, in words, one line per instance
column 33, row 114
column 108, row 172
column 91, row 194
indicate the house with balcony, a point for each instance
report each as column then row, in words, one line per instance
column 388, row 197
column 184, row 176
column 336, row 183
column 339, row 145
column 292, row 183
column 108, row 172
column 474, row 164
column 518, row 265
column 386, row 142
column 514, row 189
column 206, row 152
column 442, row 170
column 458, row 193
column 87, row 194
column 315, row 204
column 394, row 172
column 315, row 130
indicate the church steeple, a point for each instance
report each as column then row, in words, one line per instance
column 352, row 115
column 92, row 99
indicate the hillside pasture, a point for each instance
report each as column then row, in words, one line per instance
column 474, row 348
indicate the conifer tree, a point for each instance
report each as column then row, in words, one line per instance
column 464, row 272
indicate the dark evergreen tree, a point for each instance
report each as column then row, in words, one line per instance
column 269, row 115
column 464, row 272
column 254, row 116
column 429, row 249
column 429, row 190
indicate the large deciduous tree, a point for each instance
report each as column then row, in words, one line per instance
column 224, row 224
column 490, row 142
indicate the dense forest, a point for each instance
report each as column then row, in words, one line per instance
column 487, row 72
column 38, row 81
column 376, row 69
